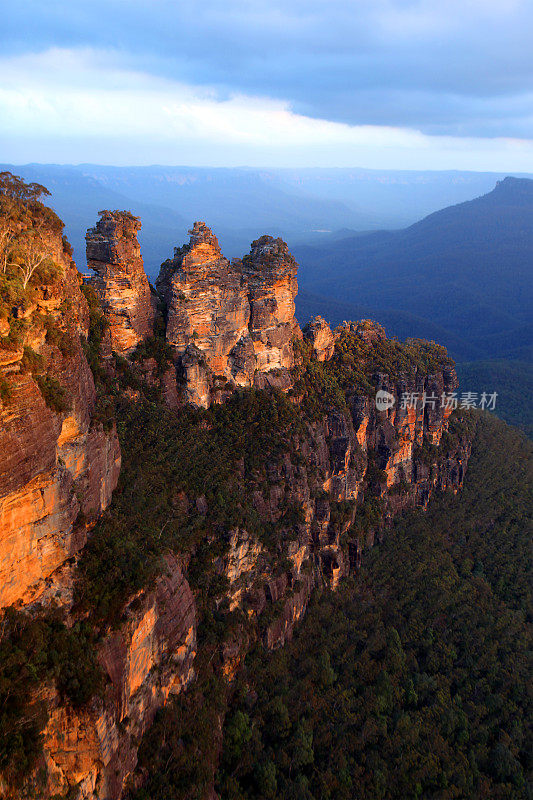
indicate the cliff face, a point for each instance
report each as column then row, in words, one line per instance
column 270, row 273
column 147, row 659
column 229, row 324
column 208, row 312
column 347, row 463
column 114, row 254
column 321, row 337
column 344, row 468
column 56, row 465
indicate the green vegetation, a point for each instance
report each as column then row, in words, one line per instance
column 27, row 230
column 64, row 340
column 277, row 250
column 411, row 680
column 55, row 396
column 168, row 461
column 97, row 328
column 155, row 347
column 31, row 361
column 355, row 364
column 25, row 227
column 5, row 391
column 34, row 651
column 181, row 750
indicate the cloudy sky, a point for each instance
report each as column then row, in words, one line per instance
column 427, row 84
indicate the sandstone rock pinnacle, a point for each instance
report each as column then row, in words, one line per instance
column 230, row 323
column 120, row 282
column 321, row 337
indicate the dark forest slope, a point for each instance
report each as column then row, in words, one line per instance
column 411, row 680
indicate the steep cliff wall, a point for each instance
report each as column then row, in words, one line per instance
column 347, row 474
column 57, row 466
column 270, row 273
column 325, row 479
column 144, row 661
column 120, row 282
column 324, row 475
column 208, row 312
column 318, row 332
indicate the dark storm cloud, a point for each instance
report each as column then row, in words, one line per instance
column 448, row 67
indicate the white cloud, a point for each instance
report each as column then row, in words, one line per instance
column 68, row 98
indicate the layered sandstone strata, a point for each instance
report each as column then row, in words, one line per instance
column 56, row 467
column 207, row 315
column 348, row 459
column 229, row 324
column 270, row 274
column 321, row 337
column 120, row 282
column 90, row 751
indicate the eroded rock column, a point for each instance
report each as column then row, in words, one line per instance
column 120, row 282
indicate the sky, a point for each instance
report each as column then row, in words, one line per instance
column 388, row 84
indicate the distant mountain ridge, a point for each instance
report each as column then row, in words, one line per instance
column 300, row 205
column 466, row 269
column 466, row 266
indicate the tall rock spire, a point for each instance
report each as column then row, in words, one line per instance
column 120, row 282
column 269, row 271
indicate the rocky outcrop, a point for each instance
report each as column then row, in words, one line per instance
column 367, row 330
column 338, row 489
column 318, row 502
column 207, row 317
column 120, row 282
column 270, row 274
column 321, row 337
column 58, row 467
column 229, row 324
column 92, row 750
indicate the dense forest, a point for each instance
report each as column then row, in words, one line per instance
column 411, row 680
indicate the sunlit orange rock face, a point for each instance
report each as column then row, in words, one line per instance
column 397, row 434
column 321, row 337
column 147, row 659
column 349, row 458
column 208, row 313
column 229, row 324
column 270, row 273
column 53, row 465
column 120, row 282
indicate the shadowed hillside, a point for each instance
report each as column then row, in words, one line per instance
column 466, row 269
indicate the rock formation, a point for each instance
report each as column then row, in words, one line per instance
column 270, row 273
column 229, row 324
column 120, row 282
column 348, row 459
column 321, row 337
column 58, row 468
column 208, row 312
column 147, row 659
